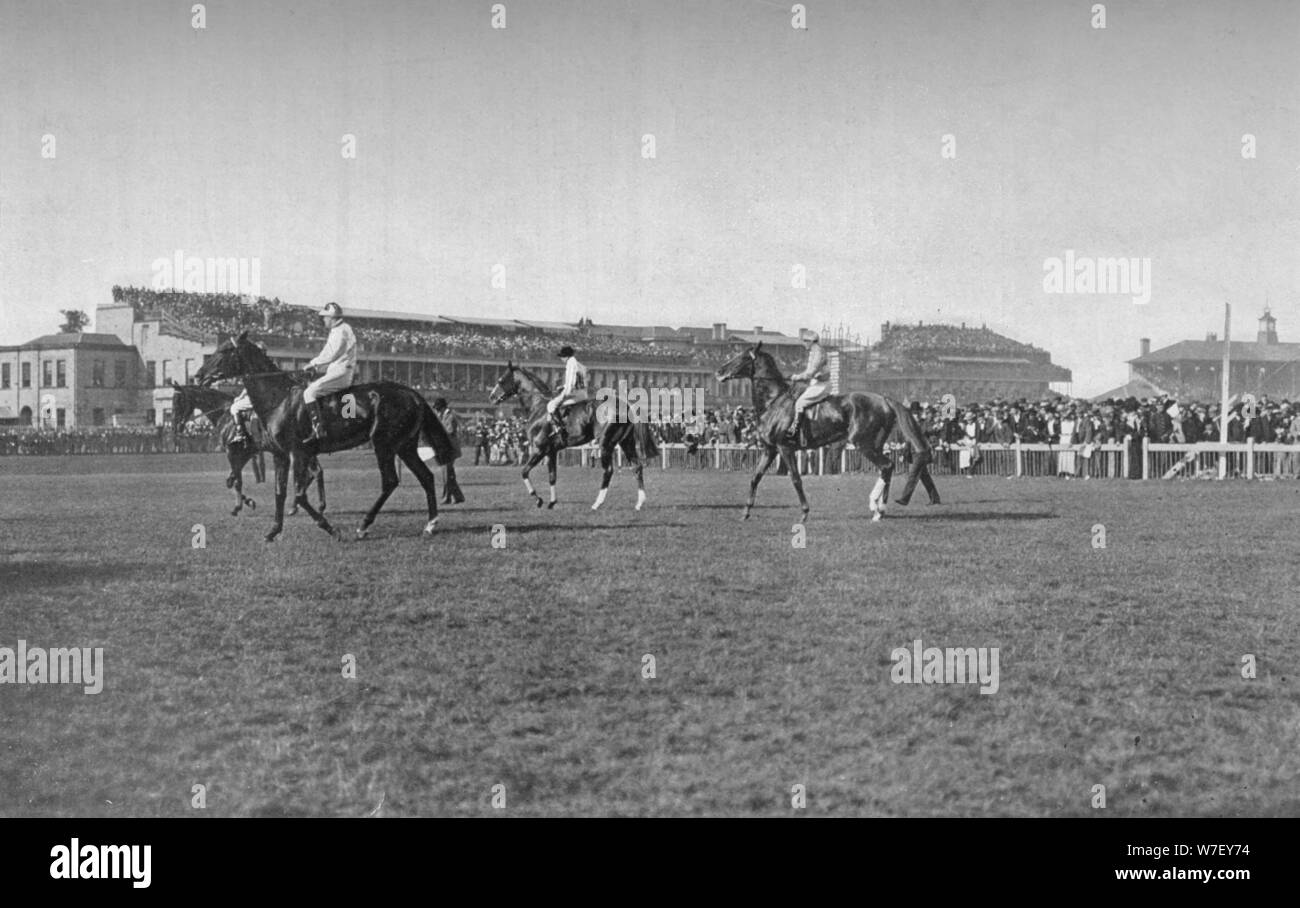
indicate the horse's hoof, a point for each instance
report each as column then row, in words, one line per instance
column 235, row 512
column 336, row 533
column 430, row 527
column 550, row 505
column 745, row 515
column 322, row 507
column 875, row 518
column 539, row 502
column 294, row 511
column 271, row 536
column 252, row 505
column 363, row 532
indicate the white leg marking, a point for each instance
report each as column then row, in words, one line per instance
column 600, row 498
column 640, row 499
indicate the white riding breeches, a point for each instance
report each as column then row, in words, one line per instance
column 241, row 404
column 815, row 391
column 562, row 400
column 334, row 379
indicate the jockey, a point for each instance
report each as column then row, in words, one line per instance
column 240, row 407
column 574, row 390
column 337, row 360
column 816, row 373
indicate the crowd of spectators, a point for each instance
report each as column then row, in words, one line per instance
column 224, row 314
column 135, row 440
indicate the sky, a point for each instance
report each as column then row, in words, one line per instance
column 519, row 153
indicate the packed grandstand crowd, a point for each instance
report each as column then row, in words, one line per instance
column 219, row 314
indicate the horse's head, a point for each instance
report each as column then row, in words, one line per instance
column 234, row 358
column 752, row 362
column 507, row 385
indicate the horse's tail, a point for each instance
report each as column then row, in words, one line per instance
column 645, row 440
column 910, row 429
column 434, row 435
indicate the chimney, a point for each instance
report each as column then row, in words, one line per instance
column 719, row 330
column 758, row 329
column 1144, row 344
column 1211, row 337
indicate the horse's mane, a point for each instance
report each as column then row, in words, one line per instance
column 541, row 386
column 774, row 370
column 255, row 357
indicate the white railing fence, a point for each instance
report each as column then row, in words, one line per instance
column 1105, row 461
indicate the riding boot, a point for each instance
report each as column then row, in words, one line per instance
column 240, row 434
column 314, row 411
column 792, row 434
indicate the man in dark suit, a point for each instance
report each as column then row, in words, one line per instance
column 483, row 445
column 451, row 493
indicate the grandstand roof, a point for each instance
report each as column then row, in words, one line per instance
column 1136, row 387
column 1242, row 351
column 508, row 324
column 395, row 316
column 81, row 339
column 548, row 326
column 768, row 337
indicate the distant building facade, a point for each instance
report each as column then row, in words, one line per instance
column 1193, row 370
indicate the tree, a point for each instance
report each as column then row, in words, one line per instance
column 74, row 321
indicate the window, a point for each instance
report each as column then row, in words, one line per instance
column 47, row 374
column 62, row 372
column 4, row 375
column 151, row 373
column 150, row 417
column 97, row 416
column 167, row 416
column 119, row 372
column 167, row 372
column 97, row 375
column 189, row 370
column 61, row 417
column 27, row 375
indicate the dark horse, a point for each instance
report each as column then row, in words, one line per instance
column 210, row 402
column 863, row 418
column 395, row 419
column 584, row 423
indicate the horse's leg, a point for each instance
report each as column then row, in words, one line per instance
column 528, row 468
column 550, row 476
column 411, row 457
column 629, row 451
column 607, row 465
column 281, row 488
column 764, row 463
column 302, row 477
column 320, row 486
column 388, row 478
column 792, row 464
column 238, row 468
column 235, row 481
column 885, row 464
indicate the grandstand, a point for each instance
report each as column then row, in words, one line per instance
column 164, row 336
column 458, row 357
column 924, row 362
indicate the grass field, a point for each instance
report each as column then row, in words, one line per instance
column 522, row 666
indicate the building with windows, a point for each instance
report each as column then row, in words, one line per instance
column 1193, row 370
column 67, row 380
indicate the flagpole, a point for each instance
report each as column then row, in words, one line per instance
column 1223, row 391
